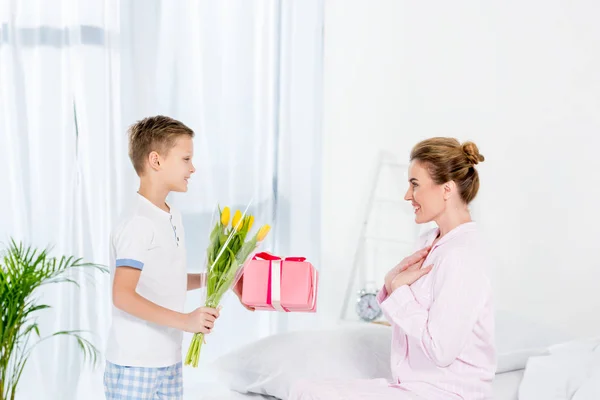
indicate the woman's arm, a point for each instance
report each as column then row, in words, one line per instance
column 399, row 340
column 459, row 293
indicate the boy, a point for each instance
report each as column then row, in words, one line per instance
column 148, row 268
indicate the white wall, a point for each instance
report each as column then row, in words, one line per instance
column 521, row 79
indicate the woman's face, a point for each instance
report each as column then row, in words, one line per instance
column 427, row 198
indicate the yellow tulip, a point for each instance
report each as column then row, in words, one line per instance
column 225, row 216
column 236, row 220
column 262, row 232
column 250, row 222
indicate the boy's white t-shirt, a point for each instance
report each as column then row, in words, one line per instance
column 151, row 240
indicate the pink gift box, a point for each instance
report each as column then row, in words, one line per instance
column 288, row 285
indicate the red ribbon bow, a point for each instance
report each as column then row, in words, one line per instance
column 270, row 257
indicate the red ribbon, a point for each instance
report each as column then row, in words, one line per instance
column 270, row 257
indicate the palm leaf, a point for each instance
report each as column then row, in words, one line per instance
column 23, row 270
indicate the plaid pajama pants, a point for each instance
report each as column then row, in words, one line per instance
column 141, row 383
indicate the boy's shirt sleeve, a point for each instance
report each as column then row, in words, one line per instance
column 132, row 243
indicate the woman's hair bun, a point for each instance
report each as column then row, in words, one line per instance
column 472, row 152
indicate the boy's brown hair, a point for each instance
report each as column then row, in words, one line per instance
column 157, row 133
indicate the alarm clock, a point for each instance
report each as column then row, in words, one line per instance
column 367, row 306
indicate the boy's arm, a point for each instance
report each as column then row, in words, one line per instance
column 128, row 300
column 196, row 281
column 131, row 243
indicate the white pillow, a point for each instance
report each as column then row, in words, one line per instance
column 271, row 365
column 518, row 338
column 517, row 359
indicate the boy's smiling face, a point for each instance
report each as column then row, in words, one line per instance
column 176, row 166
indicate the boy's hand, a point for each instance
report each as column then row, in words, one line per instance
column 201, row 320
column 237, row 289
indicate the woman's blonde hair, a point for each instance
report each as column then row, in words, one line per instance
column 448, row 160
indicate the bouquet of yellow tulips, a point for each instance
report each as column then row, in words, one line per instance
column 227, row 252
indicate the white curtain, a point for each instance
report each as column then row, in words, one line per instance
column 58, row 76
column 245, row 75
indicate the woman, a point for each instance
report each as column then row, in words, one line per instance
column 441, row 314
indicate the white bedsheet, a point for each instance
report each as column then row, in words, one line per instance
column 571, row 371
column 230, row 395
column 203, row 384
column 506, row 387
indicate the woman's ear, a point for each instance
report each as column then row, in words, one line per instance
column 449, row 189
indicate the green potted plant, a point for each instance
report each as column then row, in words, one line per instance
column 23, row 269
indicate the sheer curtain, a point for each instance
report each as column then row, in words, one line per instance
column 244, row 75
column 58, row 74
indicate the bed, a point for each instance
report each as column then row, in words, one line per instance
column 205, row 385
column 266, row 369
column 506, row 386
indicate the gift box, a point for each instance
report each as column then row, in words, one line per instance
column 275, row 284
